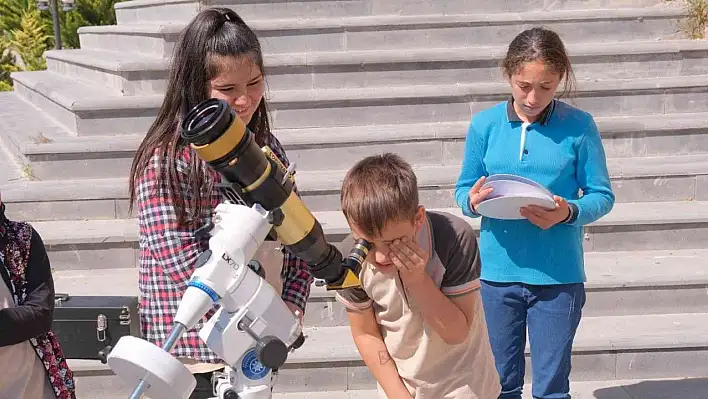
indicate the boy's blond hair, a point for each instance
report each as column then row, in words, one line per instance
column 377, row 190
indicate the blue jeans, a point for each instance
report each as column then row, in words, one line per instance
column 552, row 313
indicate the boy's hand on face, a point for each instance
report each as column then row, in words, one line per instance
column 410, row 259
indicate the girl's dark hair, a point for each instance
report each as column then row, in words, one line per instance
column 540, row 44
column 213, row 33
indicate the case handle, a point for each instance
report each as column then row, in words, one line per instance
column 60, row 297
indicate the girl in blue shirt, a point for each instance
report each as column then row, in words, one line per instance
column 532, row 269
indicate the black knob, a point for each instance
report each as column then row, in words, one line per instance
column 276, row 217
column 230, row 394
column 103, row 354
column 299, row 341
column 272, row 352
column 204, row 232
column 257, row 267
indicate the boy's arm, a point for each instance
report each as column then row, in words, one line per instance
column 450, row 316
column 368, row 340
column 372, row 348
column 449, row 309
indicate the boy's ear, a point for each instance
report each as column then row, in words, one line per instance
column 419, row 218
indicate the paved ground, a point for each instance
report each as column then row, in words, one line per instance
column 91, row 388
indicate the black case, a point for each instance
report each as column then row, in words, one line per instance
column 88, row 327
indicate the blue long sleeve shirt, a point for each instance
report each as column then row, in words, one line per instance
column 564, row 152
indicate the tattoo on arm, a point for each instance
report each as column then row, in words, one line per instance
column 384, row 357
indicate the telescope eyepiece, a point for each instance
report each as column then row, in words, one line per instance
column 357, row 255
column 206, row 122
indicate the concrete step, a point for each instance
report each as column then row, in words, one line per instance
column 14, row 129
column 637, row 226
column 146, row 11
column 329, row 30
column 61, row 156
column 84, row 110
column 659, row 388
column 618, row 284
column 128, row 73
column 10, row 168
column 49, row 152
column 607, row 348
column 641, row 179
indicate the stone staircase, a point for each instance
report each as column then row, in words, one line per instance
column 348, row 78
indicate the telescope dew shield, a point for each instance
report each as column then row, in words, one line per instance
column 220, row 138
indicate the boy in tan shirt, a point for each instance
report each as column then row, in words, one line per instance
column 417, row 319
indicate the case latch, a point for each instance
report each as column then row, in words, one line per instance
column 124, row 316
column 101, row 326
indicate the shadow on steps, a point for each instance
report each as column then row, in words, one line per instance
column 689, row 388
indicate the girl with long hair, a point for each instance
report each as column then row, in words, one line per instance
column 217, row 56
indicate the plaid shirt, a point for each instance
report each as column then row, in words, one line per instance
column 168, row 253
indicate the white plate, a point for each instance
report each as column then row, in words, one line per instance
column 507, row 188
column 502, row 176
column 508, row 207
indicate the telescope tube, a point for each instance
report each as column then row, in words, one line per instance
column 222, row 140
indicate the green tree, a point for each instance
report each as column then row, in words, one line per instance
column 11, row 16
column 86, row 13
column 7, row 65
column 11, row 13
column 30, row 41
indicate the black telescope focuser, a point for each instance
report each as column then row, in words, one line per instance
column 222, row 140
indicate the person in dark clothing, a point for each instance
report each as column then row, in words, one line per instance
column 29, row 351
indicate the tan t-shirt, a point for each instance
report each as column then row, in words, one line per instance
column 22, row 375
column 429, row 367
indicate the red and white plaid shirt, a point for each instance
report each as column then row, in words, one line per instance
column 168, row 253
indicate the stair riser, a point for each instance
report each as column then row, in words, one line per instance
column 587, row 366
column 181, row 12
column 395, row 38
column 449, row 72
column 254, row 10
column 359, row 112
column 121, row 83
column 339, row 157
column 102, row 386
column 63, row 117
column 418, row 110
column 676, row 188
column 69, row 210
column 93, row 256
column 597, row 238
column 155, row 45
column 60, row 169
column 462, row 6
column 400, row 74
column 646, row 237
column 341, row 376
column 463, row 36
column 326, row 312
